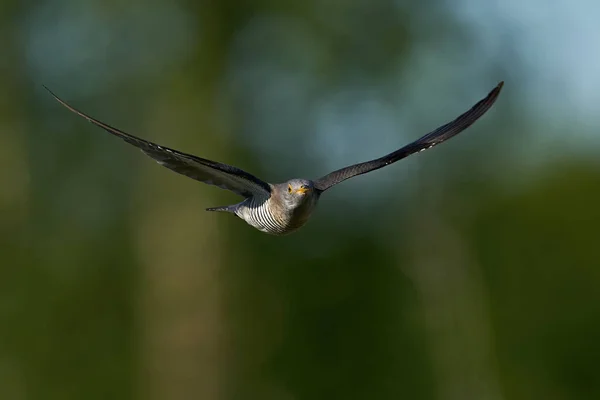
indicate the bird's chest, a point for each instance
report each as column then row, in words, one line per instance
column 271, row 218
column 294, row 218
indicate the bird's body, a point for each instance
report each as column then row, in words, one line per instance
column 283, row 208
column 281, row 213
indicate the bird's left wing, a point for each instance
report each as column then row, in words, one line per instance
column 203, row 170
column 433, row 138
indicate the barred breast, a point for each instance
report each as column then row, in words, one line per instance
column 268, row 217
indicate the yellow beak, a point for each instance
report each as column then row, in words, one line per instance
column 302, row 190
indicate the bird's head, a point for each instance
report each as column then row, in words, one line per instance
column 297, row 191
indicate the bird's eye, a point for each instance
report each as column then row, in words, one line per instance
column 289, row 188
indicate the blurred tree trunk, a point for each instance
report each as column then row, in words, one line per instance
column 454, row 301
column 181, row 248
column 183, row 351
column 14, row 204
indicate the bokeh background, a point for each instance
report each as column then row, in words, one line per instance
column 470, row 271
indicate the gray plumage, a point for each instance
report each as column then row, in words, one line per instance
column 283, row 208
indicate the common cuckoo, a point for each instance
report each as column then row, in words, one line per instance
column 283, row 208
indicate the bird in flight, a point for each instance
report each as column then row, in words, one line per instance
column 283, row 208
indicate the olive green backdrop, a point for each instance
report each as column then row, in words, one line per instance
column 470, row 271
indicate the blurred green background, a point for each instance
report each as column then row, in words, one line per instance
column 470, row 271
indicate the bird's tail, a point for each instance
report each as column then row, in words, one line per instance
column 230, row 209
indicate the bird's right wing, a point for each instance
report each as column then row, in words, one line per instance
column 433, row 138
column 203, row 170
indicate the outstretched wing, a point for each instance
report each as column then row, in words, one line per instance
column 433, row 138
column 200, row 169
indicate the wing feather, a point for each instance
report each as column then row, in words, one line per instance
column 433, row 138
column 203, row 170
